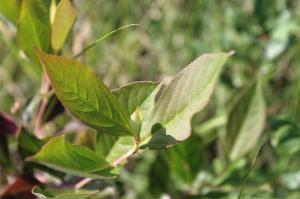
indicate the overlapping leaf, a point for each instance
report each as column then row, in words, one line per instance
column 188, row 93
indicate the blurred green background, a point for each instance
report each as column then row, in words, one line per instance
column 265, row 36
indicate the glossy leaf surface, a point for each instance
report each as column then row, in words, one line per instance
column 84, row 95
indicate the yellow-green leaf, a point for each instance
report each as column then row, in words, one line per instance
column 62, row 24
column 84, row 95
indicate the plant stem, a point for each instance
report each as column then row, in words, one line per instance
column 126, row 155
column 45, row 87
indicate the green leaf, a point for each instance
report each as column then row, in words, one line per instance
column 188, row 93
column 62, row 24
column 85, row 96
column 28, row 144
column 73, row 159
column 65, row 194
column 33, row 28
column 246, row 122
column 134, row 94
column 113, row 147
column 138, row 98
column 10, row 9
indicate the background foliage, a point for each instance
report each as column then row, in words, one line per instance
column 265, row 35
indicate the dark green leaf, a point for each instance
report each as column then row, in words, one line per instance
column 73, row 159
column 85, row 96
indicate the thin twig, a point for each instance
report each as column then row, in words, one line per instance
column 248, row 173
column 101, row 39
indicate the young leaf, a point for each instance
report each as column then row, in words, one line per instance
column 188, row 93
column 85, row 96
column 62, row 24
column 73, row 159
column 112, row 147
column 246, row 122
column 33, row 28
column 10, row 9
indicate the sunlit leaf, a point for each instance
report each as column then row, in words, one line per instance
column 62, row 24
column 82, row 93
column 188, row 93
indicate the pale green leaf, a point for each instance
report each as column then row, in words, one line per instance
column 82, row 93
column 62, row 24
column 188, row 93
column 73, row 159
column 33, row 28
column 246, row 122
